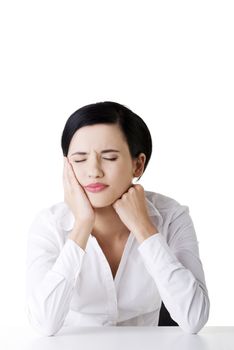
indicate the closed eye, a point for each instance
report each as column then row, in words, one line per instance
column 78, row 161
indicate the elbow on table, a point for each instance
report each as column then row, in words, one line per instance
column 192, row 329
column 193, row 326
column 43, row 326
column 46, row 329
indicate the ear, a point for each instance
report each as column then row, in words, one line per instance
column 139, row 165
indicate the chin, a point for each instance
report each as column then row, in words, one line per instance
column 100, row 205
column 102, row 202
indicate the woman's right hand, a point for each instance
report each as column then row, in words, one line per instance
column 76, row 198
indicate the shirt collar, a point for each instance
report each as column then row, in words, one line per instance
column 67, row 218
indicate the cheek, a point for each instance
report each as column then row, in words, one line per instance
column 119, row 176
column 78, row 174
column 124, row 172
column 123, row 168
column 121, row 182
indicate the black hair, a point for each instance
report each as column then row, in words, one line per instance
column 134, row 129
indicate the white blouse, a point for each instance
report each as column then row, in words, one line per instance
column 68, row 286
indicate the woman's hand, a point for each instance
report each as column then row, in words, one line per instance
column 76, row 198
column 132, row 210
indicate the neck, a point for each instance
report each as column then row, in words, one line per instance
column 108, row 226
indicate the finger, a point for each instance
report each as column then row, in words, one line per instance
column 72, row 172
column 139, row 187
column 64, row 166
column 71, row 175
column 131, row 190
column 66, row 184
column 67, row 179
column 65, row 171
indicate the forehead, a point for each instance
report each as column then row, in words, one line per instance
column 98, row 136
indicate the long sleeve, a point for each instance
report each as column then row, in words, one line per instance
column 51, row 274
column 175, row 266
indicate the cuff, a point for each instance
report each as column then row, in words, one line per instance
column 70, row 260
column 156, row 253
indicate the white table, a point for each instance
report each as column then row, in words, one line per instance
column 119, row 338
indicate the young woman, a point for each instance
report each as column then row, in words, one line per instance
column 112, row 253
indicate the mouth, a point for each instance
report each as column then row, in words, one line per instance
column 95, row 189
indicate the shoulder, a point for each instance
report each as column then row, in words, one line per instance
column 166, row 208
column 163, row 203
column 176, row 222
column 53, row 216
column 46, row 231
column 53, row 212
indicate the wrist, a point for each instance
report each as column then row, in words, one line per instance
column 145, row 231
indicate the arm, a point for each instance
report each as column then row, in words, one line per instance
column 177, row 270
column 52, row 271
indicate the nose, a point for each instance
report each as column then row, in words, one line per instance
column 94, row 168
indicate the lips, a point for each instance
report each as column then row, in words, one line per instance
column 96, row 187
column 96, row 184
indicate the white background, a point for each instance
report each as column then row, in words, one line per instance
column 171, row 62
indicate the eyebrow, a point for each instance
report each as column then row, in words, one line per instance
column 104, row 151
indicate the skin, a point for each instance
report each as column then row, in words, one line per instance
column 121, row 207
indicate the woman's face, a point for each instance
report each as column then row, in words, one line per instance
column 116, row 169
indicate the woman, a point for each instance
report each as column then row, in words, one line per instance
column 111, row 253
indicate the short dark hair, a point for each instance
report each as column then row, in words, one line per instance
column 134, row 129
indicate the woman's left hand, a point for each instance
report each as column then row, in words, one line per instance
column 132, row 210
